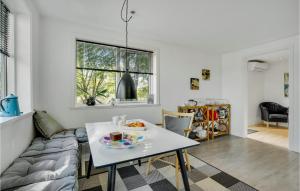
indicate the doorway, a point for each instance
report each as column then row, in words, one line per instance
column 268, row 98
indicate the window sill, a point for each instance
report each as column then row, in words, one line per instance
column 123, row 105
column 7, row 120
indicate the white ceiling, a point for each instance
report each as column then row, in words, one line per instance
column 211, row 25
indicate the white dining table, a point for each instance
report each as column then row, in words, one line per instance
column 157, row 141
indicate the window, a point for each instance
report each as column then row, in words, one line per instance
column 99, row 68
column 5, row 24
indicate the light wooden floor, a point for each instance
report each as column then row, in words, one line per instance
column 263, row 166
column 273, row 135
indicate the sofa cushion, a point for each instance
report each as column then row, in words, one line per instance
column 278, row 117
column 68, row 183
column 29, row 170
column 45, row 124
column 42, row 146
column 81, row 135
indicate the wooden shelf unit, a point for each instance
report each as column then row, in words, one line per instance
column 204, row 117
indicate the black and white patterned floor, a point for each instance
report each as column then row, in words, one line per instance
column 203, row 177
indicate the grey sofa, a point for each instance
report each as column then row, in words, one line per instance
column 273, row 112
column 47, row 164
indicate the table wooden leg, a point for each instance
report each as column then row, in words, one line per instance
column 177, row 173
column 89, row 167
column 82, row 154
column 183, row 170
column 140, row 162
column 111, row 177
column 187, row 160
column 148, row 166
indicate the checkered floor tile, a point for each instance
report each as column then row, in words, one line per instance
column 202, row 177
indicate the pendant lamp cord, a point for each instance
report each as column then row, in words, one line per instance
column 126, row 20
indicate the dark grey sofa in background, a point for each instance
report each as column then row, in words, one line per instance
column 273, row 112
column 47, row 164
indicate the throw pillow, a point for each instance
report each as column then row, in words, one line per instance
column 46, row 125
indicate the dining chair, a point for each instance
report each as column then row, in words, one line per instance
column 180, row 123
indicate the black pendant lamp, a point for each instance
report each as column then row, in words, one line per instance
column 126, row 88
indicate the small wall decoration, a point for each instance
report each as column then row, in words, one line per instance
column 205, row 74
column 194, row 83
column 286, row 84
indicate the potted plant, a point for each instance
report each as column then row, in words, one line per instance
column 92, row 98
column 90, row 87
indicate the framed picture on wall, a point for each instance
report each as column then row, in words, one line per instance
column 286, row 84
column 194, row 83
column 205, row 74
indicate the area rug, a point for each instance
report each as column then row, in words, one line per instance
column 203, row 177
column 250, row 131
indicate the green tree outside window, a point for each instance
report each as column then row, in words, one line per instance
column 100, row 67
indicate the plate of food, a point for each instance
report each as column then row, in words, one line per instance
column 118, row 140
column 135, row 126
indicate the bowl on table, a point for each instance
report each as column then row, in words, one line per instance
column 135, row 126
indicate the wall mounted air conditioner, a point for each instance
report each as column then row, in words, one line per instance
column 257, row 66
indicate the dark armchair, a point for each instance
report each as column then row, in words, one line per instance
column 273, row 112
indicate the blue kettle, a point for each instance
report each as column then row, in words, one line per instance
column 9, row 106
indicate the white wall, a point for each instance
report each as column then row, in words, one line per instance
column 34, row 47
column 23, row 61
column 57, row 66
column 255, row 96
column 178, row 65
column 235, row 85
column 274, row 81
column 233, row 89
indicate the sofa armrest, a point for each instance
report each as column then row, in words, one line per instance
column 264, row 114
column 286, row 110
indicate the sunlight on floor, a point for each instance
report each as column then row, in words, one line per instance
column 273, row 135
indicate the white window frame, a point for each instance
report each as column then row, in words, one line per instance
column 3, row 58
column 154, row 85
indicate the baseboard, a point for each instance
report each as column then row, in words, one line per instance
column 272, row 124
column 256, row 124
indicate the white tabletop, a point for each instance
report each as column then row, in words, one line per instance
column 157, row 141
